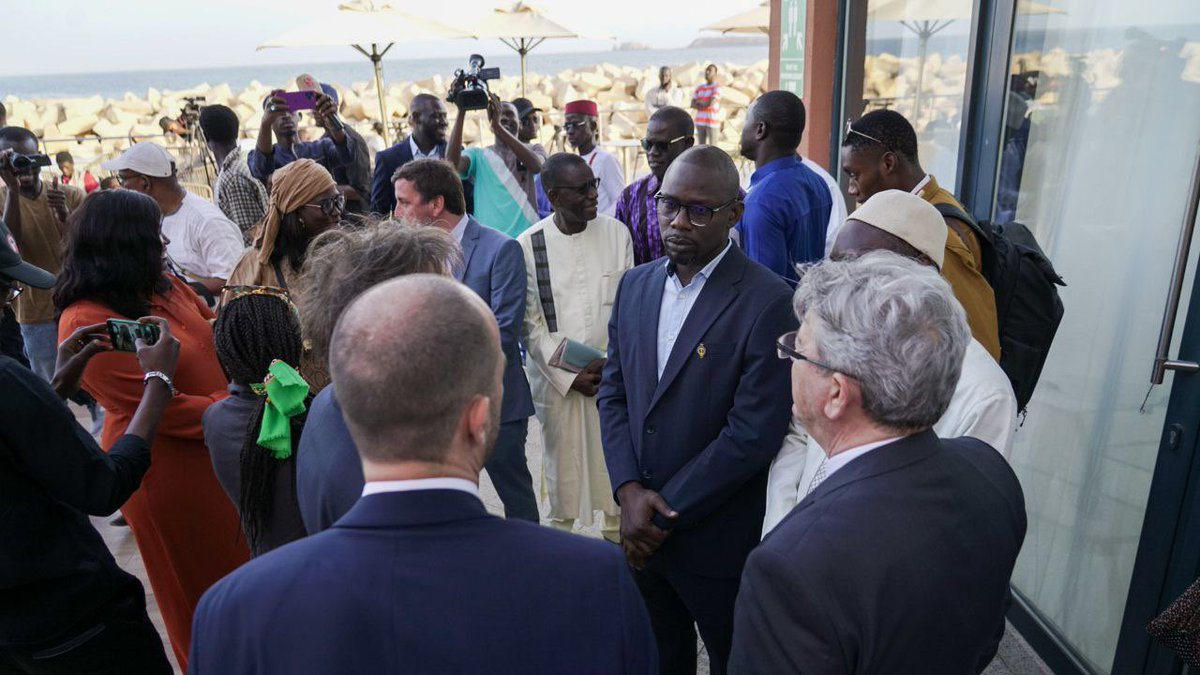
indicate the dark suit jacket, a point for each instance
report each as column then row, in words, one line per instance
column 427, row 582
column 495, row 270
column 329, row 477
column 704, row 435
column 383, row 192
column 898, row 563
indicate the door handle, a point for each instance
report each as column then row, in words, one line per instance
column 1161, row 363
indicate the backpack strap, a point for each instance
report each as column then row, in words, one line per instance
column 949, row 210
column 541, row 264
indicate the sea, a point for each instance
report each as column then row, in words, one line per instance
column 116, row 84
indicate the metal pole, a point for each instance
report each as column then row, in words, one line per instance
column 522, row 51
column 377, row 60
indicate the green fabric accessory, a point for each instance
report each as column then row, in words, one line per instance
column 286, row 392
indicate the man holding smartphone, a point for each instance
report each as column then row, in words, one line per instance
column 336, row 149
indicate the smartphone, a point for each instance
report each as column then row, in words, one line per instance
column 124, row 334
column 298, row 100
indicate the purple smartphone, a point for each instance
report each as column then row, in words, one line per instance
column 299, row 100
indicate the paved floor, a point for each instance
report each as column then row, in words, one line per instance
column 1014, row 658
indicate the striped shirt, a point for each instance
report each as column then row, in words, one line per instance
column 710, row 116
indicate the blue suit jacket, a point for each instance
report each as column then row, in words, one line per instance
column 427, row 582
column 329, row 477
column 897, row 563
column 383, row 193
column 705, row 434
column 495, row 270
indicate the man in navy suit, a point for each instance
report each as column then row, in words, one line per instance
column 898, row 560
column 417, row 577
column 690, row 409
column 429, row 191
column 427, row 119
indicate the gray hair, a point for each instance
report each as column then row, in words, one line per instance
column 892, row 324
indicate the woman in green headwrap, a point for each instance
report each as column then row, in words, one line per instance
column 253, row 434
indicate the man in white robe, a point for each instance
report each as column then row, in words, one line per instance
column 574, row 260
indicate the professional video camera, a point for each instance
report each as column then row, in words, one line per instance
column 189, row 114
column 27, row 163
column 469, row 90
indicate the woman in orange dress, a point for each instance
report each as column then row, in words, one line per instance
column 185, row 527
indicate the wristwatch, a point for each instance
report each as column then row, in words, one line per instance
column 159, row 375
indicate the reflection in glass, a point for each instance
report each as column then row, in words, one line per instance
column 1098, row 146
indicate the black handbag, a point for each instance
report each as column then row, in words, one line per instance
column 1178, row 626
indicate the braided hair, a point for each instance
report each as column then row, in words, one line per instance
column 251, row 332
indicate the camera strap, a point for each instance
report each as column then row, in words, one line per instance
column 541, row 264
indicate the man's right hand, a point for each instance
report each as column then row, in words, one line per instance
column 163, row 355
column 275, row 108
column 587, row 382
column 640, row 537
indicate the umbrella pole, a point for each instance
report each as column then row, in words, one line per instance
column 522, row 51
column 922, row 53
column 377, row 61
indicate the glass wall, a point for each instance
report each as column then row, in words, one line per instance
column 916, row 63
column 1099, row 142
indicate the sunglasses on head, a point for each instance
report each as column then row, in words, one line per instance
column 851, row 130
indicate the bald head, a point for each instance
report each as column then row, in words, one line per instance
column 714, row 167
column 410, row 358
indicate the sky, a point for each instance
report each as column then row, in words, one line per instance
column 74, row 36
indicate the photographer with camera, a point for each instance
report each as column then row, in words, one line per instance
column 334, row 150
column 505, row 195
column 36, row 214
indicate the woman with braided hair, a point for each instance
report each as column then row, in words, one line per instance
column 253, row 434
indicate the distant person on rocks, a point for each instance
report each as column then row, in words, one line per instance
column 668, row 134
column 428, row 122
column 505, row 194
column 36, row 214
column 417, row 572
column 203, row 244
column 66, row 166
column 879, row 152
column 332, row 151
column 329, row 476
column 706, row 101
column 241, row 196
column 574, row 261
column 787, row 205
column 667, row 93
column 582, row 119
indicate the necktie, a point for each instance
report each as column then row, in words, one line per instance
column 817, row 478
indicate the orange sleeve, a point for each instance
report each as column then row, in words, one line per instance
column 115, row 379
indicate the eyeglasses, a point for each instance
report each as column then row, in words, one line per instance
column 649, row 145
column 851, row 130
column 122, row 180
column 572, row 126
column 698, row 214
column 14, row 291
column 329, row 205
column 785, row 351
column 593, row 184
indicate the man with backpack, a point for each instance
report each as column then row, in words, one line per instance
column 879, row 152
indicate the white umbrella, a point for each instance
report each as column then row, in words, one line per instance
column 363, row 22
column 929, row 17
column 752, row 21
column 522, row 27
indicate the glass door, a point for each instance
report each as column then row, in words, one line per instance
column 1097, row 153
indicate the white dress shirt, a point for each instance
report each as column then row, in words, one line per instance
column 837, row 214
column 460, row 228
column 677, row 302
column 832, row 464
column 612, row 179
column 461, row 484
column 416, row 151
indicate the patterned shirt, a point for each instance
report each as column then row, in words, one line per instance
column 710, row 116
column 636, row 208
column 241, row 196
column 323, row 151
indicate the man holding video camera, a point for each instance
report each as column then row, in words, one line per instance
column 36, row 214
column 332, row 151
column 503, row 174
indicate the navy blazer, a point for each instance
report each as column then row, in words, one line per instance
column 705, row 434
column 383, row 192
column 897, row 563
column 427, row 582
column 329, row 476
column 495, row 270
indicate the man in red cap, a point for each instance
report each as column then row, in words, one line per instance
column 581, row 132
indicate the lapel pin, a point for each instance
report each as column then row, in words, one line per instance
column 701, row 350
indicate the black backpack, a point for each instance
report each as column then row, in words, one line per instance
column 1028, row 309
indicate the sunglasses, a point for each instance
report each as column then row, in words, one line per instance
column 649, row 145
column 698, row 214
column 330, row 205
column 785, row 350
column 584, row 188
column 572, row 126
column 851, row 130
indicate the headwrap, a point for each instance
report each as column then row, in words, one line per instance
column 292, row 186
column 286, row 391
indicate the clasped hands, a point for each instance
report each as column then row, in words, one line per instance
column 640, row 537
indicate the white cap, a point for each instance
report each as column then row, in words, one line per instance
column 147, row 159
column 907, row 217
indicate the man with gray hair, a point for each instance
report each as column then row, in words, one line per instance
column 898, row 559
column 418, row 569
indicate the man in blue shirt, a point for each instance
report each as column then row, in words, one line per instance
column 334, row 150
column 787, row 206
